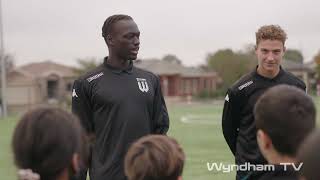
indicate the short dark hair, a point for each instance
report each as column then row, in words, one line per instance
column 154, row 157
column 287, row 115
column 110, row 21
column 308, row 154
column 45, row 140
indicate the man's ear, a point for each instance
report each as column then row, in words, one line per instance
column 75, row 163
column 109, row 40
column 264, row 140
column 179, row 178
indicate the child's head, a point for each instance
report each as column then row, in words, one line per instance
column 284, row 117
column 154, row 157
column 48, row 141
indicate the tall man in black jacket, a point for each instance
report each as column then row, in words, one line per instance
column 118, row 103
column 238, row 124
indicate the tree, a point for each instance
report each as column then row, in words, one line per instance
column 249, row 49
column 86, row 64
column 231, row 65
column 293, row 55
column 171, row 58
column 316, row 59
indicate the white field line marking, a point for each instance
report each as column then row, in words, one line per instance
column 200, row 119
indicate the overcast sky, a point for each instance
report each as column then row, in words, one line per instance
column 64, row 30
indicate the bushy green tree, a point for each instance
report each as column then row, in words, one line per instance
column 86, row 64
column 294, row 55
column 316, row 59
column 231, row 65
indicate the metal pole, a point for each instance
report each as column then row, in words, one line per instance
column 3, row 67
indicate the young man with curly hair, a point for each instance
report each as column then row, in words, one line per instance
column 238, row 124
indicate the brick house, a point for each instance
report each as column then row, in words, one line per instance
column 302, row 71
column 179, row 80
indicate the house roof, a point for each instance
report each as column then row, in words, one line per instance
column 161, row 67
column 311, row 64
column 291, row 65
column 45, row 68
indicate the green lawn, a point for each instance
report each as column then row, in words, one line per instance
column 199, row 133
column 7, row 170
column 203, row 141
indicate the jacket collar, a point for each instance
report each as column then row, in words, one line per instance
column 116, row 70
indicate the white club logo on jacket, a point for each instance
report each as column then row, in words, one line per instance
column 74, row 94
column 143, row 85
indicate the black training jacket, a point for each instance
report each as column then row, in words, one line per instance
column 117, row 107
column 238, row 125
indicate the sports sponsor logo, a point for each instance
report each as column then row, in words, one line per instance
column 245, row 85
column 95, row 77
column 74, row 94
column 227, row 97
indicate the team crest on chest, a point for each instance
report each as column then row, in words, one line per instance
column 143, row 85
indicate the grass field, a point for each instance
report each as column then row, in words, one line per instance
column 197, row 127
column 202, row 139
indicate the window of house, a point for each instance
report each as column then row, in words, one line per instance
column 52, row 88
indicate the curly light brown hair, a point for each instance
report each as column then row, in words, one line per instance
column 271, row 32
column 154, row 157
